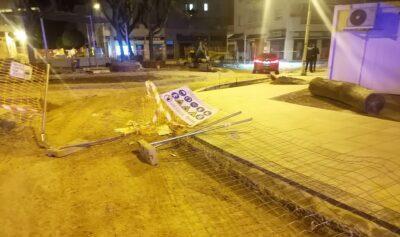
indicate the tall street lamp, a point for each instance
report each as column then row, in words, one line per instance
column 306, row 38
column 92, row 35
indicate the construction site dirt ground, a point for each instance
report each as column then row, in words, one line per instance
column 108, row 191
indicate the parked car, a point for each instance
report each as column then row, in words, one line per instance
column 267, row 63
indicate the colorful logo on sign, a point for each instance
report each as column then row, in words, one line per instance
column 175, row 95
column 188, row 99
column 185, row 104
column 200, row 109
column 168, row 98
column 182, row 92
column 200, row 117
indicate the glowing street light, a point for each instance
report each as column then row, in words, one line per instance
column 96, row 6
column 21, row 35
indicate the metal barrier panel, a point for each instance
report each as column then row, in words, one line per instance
column 23, row 93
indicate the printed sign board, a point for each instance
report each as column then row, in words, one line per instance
column 21, row 71
column 184, row 103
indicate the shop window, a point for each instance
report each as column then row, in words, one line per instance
column 278, row 47
column 189, row 6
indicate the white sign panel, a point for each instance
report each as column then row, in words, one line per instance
column 184, row 103
column 21, row 71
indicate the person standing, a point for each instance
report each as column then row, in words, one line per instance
column 315, row 53
column 309, row 59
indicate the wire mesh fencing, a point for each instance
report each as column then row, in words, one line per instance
column 363, row 187
column 233, row 195
column 23, row 90
column 217, row 202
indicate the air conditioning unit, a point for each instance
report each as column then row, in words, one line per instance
column 362, row 17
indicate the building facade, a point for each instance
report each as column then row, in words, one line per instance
column 189, row 22
column 367, row 51
column 276, row 26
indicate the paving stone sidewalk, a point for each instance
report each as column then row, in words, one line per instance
column 320, row 72
column 351, row 158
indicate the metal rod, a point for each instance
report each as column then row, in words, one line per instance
column 44, row 115
column 222, row 119
column 110, row 139
column 93, row 143
column 306, row 38
column 159, row 143
column 211, row 124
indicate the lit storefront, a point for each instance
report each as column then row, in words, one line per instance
column 140, row 48
column 322, row 39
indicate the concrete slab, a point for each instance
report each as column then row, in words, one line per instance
column 358, row 155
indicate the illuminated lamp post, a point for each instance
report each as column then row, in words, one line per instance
column 92, row 35
column 306, row 38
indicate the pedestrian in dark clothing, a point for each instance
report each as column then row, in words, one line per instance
column 309, row 59
column 315, row 52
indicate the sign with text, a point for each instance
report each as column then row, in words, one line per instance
column 20, row 71
column 185, row 104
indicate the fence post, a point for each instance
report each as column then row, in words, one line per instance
column 44, row 115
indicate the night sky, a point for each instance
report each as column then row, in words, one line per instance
column 62, row 5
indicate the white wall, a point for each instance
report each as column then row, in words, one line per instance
column 369, row 58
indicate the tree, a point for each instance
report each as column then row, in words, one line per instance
column 154, row 17
column 123, row 15
column 72, row 38
column 131, row 16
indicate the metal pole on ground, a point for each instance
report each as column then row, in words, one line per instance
column 44, row 114
column 306, row 38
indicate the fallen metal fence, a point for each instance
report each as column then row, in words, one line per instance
column 314, row 183
column 216, row 198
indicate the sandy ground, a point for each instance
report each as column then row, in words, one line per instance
column 107, row 191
